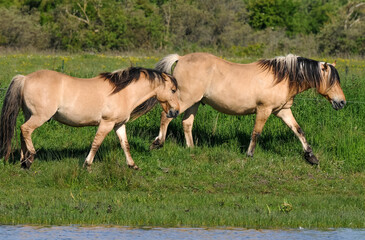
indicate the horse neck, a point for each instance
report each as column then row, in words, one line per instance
column 300, row 89
column 140, row 91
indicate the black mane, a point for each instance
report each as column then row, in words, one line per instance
column 299, row 71
column 122, row 78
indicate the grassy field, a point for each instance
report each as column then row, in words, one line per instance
column 214, row 184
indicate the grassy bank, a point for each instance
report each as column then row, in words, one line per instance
column 214, row 184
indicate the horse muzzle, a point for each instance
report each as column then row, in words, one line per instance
column 172, row 113
column 338, row 104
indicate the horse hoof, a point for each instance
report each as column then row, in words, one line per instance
column 156, row 144
column 249, row 154
column 87, row 166
column 309, row 156
column 134, row 166
column 26, row 164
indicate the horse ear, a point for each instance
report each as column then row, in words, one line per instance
column 334, row 63
column 324, row 66
column 164, row 76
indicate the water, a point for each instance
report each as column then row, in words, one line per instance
column 125, row 233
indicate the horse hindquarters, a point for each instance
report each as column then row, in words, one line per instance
column 40, row 103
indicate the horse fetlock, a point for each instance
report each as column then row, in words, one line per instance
column 309, row 156
column 134, row 166
column 26, row 164
column 156, row 144
column 27, row 160
column 250, row 153
column 87, row 165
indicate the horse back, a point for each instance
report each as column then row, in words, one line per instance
column 67, row 99
column 229, row 87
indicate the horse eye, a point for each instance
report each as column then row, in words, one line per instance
column 173, row 91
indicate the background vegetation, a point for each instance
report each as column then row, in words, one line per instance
column 239, row 27
column 214, row 184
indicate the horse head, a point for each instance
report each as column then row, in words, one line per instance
column 167, row 95
column 330, row 87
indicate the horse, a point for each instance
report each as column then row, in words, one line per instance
column 108, row 101
column 264, row 87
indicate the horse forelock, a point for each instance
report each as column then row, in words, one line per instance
column 299, row 71
column 122, row 78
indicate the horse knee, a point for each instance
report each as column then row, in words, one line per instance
column 187, row 126
column 25, row 130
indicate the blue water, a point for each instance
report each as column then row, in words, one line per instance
column 125, row 233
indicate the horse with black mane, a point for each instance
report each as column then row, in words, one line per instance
column 108, row 100
column 263, row 88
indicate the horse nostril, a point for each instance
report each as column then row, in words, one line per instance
column 342, row 103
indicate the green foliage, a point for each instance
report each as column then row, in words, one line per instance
column 254, row 50
column 270, row 13
column 21, row 30
column 198, row 25
column 345, row 34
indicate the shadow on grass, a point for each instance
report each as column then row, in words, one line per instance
column 140, row 137
column 57, row 154
column 267, row 141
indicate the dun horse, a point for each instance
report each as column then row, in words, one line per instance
column 108, row 100
column 263, row 88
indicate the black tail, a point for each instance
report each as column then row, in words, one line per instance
column 9, row 113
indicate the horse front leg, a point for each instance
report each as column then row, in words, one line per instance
column 122, row 135
column 261, row 117
column 188, row 121
column 287, row 116
column 104, row 128
column 160, row 139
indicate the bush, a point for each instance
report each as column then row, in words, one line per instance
column 22, row 30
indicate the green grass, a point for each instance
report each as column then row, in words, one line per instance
column 214, row 184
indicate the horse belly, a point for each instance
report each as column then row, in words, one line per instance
column 77, row 119
column 231, row 106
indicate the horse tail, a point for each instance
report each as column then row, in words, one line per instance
column 12, row 103
column 166, row 63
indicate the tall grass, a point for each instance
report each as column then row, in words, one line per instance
column 214, row 184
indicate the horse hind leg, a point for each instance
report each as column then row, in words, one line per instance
column 287, row 116
column 27, row 148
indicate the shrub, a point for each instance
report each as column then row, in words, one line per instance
column 21, row 30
